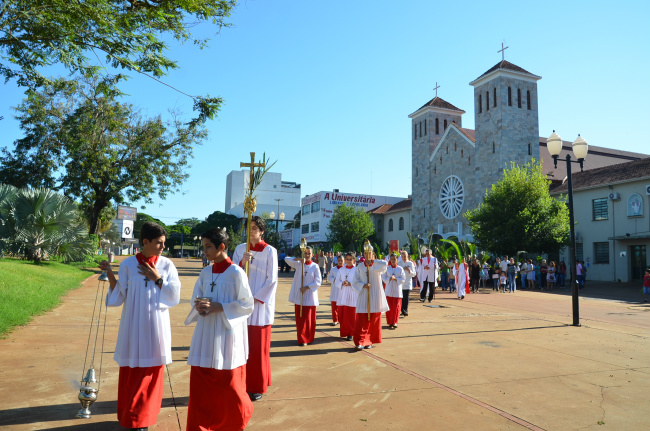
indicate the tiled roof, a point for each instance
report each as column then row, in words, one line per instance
column 506, row 65
column 386, row 208
column 637, row 169
column 381, row 209
column 437, row 102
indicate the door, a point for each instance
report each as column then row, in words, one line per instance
column 638, row 261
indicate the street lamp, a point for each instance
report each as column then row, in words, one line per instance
column 196, row 254
column 580, row 149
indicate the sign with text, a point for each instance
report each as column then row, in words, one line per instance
column 127, row 213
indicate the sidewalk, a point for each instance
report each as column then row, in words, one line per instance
column 489, row 362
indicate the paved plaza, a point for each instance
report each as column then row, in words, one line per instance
column 494, row 361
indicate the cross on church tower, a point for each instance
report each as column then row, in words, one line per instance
column 436, row 88
column 503, row 51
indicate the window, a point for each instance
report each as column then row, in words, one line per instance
column 315, row 207
column 305, row 209
column 599, row 209
column 425, row 127
column 437, row 126
column 315, row 226
column 420, row 129
column 579, row 251
column 305, row 228
column 494, row 147
column 401, row 223
column 445, row 126
column 601, row 252
column 390, row 225
column 487, row 100
column 518, row 97
column 494, row 93
column 480, row 104
column 528, row 99
column 509, row 96
column 415, row 131
column 530, row 150
column 416, row 172
column 379, row 226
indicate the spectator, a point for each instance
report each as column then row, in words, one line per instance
column 543, row 270
column 562, row 274
column 281, row 262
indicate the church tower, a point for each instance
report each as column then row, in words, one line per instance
column 506, row 119
column 428, row 124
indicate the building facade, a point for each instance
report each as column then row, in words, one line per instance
column 392, row 222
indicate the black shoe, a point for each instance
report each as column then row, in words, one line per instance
column 140, row 429
column 368, row 346
column 421, row 299
column 349, row 338
column 406, row 314
column 429, row 300
column 302, row 344
column 255, row 397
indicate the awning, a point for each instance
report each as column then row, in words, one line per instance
column 630, row 237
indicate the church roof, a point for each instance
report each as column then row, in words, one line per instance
column 507, row 66
column 439, row 103
column 637, row 169
column 387, row 208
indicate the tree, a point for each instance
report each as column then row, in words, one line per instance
column 35, row 34
column 217, row 219
column 294, row 223
column 188, row 222
column 81, row 140
column 142, row 219
column 349, row 226
column 519, row 214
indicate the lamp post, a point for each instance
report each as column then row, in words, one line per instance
column 580, row 149
column 196, row 254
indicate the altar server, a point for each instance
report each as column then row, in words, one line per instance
column 461, row 272
column 393, row 278
column 428, row 275
column 263, row 281
column 409, row 272
column 147, row 287
column 347, row 297
column 306, row 282
column 334, row 292
column 367, row 331
column 221, row 304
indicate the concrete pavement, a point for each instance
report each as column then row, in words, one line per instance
column 490, row 362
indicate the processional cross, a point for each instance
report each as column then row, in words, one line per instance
column 250, row 205
column 503, row 51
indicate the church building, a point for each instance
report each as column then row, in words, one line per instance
column 453, row 166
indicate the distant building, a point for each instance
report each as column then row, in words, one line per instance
column 392, row 222
column 611, row 210
column 317, row 210
column 268, row 192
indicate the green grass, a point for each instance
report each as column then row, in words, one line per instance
column 28, row 290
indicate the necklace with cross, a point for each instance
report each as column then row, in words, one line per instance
column 214, row 282
column 503, row 51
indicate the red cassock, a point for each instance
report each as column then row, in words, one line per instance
column 335, row 314
column 347, row 316
column 392, row 315
column 306, row 325
column 218, row 400
column 258, row 367
column 366, row 331
column 139, row 395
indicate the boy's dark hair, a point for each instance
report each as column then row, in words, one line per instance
column 349, row 253
column 217, row 237
column 260, row 222
column 151, row 231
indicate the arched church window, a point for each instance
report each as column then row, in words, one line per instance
column 420, row 129
column 390, row 225
column 401, row 223
column 434, row 170
column 518, row 97
column 480, row 104
column 494, row 147
column 494, row 93
column 530, row 150
column 528, row 99
column 455, row 147
column 509, row 96
column 487, row 100
column 437, row 126
column 469, row 160
column 445, row 126
column 447, row 149
column 461, row 154
column 425, row 127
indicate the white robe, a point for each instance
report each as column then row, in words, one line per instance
column 408, row 275
column 431, row 274
column 347, row 296
column 220, row 340
column 331, row 276
column 393, row 287
column 312, row 279
column 263, row 281
column 462, row 275
column 144, row 338
column 378, row 302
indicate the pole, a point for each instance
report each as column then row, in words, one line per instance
column 574, row 281
column 302, row 280
column 181, row 242
column 368, row 276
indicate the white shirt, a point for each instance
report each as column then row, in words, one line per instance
column 347, row 296
column 431, row 274
column 263, row 281
column 331, row 276
column 312, row 279
column 408, row 275
column 220, row 340
column 378, row 302
column 504, row 266
column 393, row 287
column 462, row 275
column 144, row 338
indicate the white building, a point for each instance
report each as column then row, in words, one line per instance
column 392, row 222
column 270, row 193
column 611, row 210
column 317, row 210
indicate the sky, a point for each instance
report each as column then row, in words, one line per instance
column 325, row 88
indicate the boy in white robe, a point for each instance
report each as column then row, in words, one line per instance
column 407, row 286
column 346, row 300
column 221, row 304
column 263, row 281
column 147, row 287
column 331, row 277
column 306, row 282
column 393, row 278
column 461, row 272
column 367, row 282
